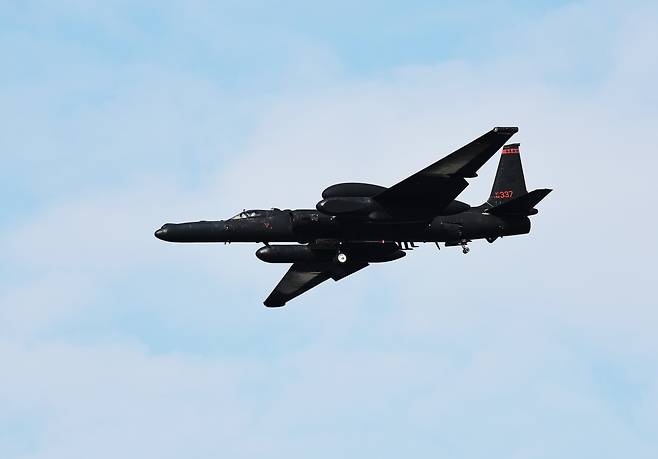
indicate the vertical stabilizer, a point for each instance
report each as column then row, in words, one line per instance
column 509, row 182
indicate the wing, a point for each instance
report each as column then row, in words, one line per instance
column 304, row 276
column 437, row 185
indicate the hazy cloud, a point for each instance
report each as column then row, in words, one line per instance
column 114, row 343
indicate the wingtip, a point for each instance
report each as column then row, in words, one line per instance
column 273, row 303
column 506, row 129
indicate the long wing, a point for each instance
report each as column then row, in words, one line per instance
column 302, row 277
column 437, row 185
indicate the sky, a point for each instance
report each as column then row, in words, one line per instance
column 118, row 117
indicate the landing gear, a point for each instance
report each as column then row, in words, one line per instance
column 341, row 258
column 465, row 249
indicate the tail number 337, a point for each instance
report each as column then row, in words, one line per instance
column 506, row 194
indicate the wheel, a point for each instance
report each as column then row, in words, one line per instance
column 341, row 257
column 465, row 249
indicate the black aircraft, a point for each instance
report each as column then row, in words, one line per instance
column 358, row 223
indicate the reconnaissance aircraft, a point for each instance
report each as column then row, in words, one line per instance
column 356, row 224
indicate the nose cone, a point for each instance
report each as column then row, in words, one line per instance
column 162, row 232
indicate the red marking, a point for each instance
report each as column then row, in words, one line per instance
column 510, row 151
column 506, row 194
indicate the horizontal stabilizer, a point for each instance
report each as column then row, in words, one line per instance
column 523, row 205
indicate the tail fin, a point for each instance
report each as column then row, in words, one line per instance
column 509, row 182
column 509, row 195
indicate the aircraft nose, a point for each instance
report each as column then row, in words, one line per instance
column 162, row 232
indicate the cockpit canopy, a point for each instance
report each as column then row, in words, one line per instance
column 252, row 213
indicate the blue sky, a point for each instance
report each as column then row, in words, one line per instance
column 117, row 118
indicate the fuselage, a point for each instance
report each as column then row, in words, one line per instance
column 308, row 225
